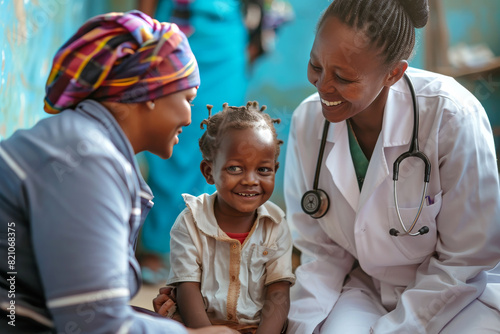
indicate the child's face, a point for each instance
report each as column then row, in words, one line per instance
column 243, row 170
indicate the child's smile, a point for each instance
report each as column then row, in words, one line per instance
column 248, row 195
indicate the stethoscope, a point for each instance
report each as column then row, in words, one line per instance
column 316, row 202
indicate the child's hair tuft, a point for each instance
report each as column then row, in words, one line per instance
column 245, row 117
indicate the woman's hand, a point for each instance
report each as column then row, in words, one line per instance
column 213, row 330
column 164, row 301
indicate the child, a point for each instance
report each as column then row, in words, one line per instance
column 231, row 251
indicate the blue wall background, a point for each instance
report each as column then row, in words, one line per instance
column 32, row 31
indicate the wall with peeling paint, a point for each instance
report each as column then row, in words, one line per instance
column 31, row 31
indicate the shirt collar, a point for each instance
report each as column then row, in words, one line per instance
column 397, row 128
column 202, row 209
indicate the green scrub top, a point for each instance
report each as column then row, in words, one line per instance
column 358, row 157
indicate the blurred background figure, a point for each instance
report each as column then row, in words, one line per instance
column 216, row 32
column 225, row 44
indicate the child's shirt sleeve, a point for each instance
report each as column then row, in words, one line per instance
column 279, row 267
column 185, row 260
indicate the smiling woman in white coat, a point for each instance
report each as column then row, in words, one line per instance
column 361, row 272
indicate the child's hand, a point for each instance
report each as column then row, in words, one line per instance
column 213, row 330
column 165, row 300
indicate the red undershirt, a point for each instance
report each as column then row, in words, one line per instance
column 238, row 236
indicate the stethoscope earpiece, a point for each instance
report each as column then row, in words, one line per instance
column 393, row 232
column 315, row 203
column 423, row 230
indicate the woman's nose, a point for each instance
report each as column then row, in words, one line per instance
column 325, row 83
column 322, row 81
column 187, row 117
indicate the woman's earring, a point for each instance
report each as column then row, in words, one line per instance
column 151, row 105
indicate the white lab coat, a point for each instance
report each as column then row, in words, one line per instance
column 424, row 281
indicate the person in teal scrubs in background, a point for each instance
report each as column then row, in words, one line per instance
column 219, row 39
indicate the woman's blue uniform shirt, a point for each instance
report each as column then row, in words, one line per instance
column 74, row 192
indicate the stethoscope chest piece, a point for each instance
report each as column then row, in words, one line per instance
column 315, row 203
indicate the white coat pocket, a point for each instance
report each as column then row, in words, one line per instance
column 416, row 248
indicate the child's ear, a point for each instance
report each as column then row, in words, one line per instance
column 206, row 170
column 276, row 166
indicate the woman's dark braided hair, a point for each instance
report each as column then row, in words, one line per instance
column 388, row 24
column 245, row 117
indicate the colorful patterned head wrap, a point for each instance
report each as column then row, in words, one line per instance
column 121, row 57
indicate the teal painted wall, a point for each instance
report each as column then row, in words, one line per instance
column 31, row 31
column 473, row 22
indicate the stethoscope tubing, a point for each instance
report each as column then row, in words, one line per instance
column 326, row 126
column 408, row 231
column 412, row 152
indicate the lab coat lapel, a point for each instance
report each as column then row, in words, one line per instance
column 396, row 131
column 340, row 165
column 377, row 172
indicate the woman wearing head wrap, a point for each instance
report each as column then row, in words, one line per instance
column 72, row 198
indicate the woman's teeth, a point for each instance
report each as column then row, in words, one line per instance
column 247, row 195
column 328, row 103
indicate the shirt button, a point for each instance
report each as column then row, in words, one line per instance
column 233, row 278
column 234, row 246
column 264, row 253
column 229, row 317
